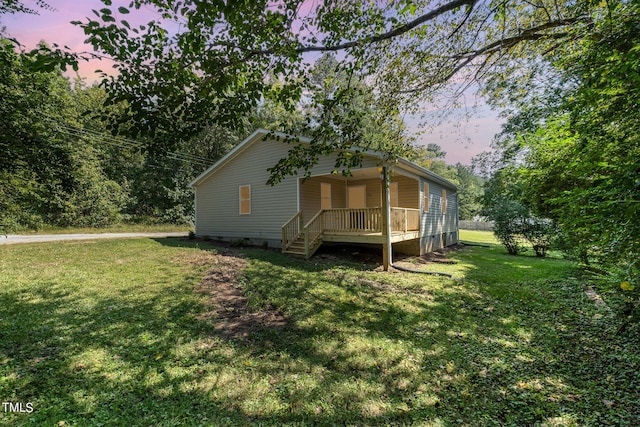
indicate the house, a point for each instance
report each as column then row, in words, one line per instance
column 233, row 201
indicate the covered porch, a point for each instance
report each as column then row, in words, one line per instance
column 347, row 226
column 351, row 210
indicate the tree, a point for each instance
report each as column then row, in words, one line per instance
column 17, row 6
column 578, row 148
column 508, row 216
column 470, row 192
column 514, row 221
column 212, row 68
column 340, row 107
column 47, row 175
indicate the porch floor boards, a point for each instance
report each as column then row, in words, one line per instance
column 367, row 237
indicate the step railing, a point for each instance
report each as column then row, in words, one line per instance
column 292, row 230
column 313, row 234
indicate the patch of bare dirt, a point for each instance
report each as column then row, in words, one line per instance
column 227, row 302
column 439, row 256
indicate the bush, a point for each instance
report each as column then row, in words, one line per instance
column 240, row 243
column 508, row 217
column 539, row 232
column 514, row 224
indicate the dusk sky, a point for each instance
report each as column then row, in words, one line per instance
column 461, row 137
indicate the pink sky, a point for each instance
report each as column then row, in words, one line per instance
column 55, row 27
column 462, row 138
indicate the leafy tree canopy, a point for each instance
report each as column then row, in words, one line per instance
column 209, row 62
column 572, row 138
column 17, row 6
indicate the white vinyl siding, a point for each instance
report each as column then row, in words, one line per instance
column 439, row 224
column 219, row 199
column 271, row 206
column 218, row 209
column 443, row 203
column 311, row 194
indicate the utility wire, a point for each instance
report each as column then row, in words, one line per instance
column 72, row 132
column 128, row 143
column 119, row 141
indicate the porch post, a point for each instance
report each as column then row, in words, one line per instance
column 387, row 255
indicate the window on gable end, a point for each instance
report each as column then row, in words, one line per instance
column 245, row 200
column 425, row 196
column 444, row 201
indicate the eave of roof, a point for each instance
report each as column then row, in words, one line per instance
column 259, row 134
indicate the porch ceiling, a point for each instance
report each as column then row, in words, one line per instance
column 365, row 173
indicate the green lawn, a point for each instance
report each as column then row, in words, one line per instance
column 118, row 228
column 118, row 333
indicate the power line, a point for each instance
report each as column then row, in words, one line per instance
column 129, row 144
column 119, row 141
column 75, row 133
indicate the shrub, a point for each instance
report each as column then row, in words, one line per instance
column 508, row 217
column 514, row 224
column 539, row 232
column 240, row 243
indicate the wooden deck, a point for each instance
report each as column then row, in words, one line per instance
column 397, row 236
column 347, row 226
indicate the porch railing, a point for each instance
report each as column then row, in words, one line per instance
column 291, row 230
column 405, row 219
column 365, row 220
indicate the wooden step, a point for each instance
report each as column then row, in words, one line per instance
column 297, row 248
column 295, row 253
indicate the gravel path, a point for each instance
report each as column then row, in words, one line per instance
column 36, row 238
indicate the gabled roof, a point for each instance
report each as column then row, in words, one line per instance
column 260, row 134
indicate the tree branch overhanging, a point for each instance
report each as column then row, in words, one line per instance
column 395, row 32
column 531, row 34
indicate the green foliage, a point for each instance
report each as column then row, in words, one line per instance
column 577, row 152
column 61, row 167
column 48, row 176
column 514, row 221
column 212, row 69
column 508, row 217
column 470, row 191
column 342, row 116
column 17, row 6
